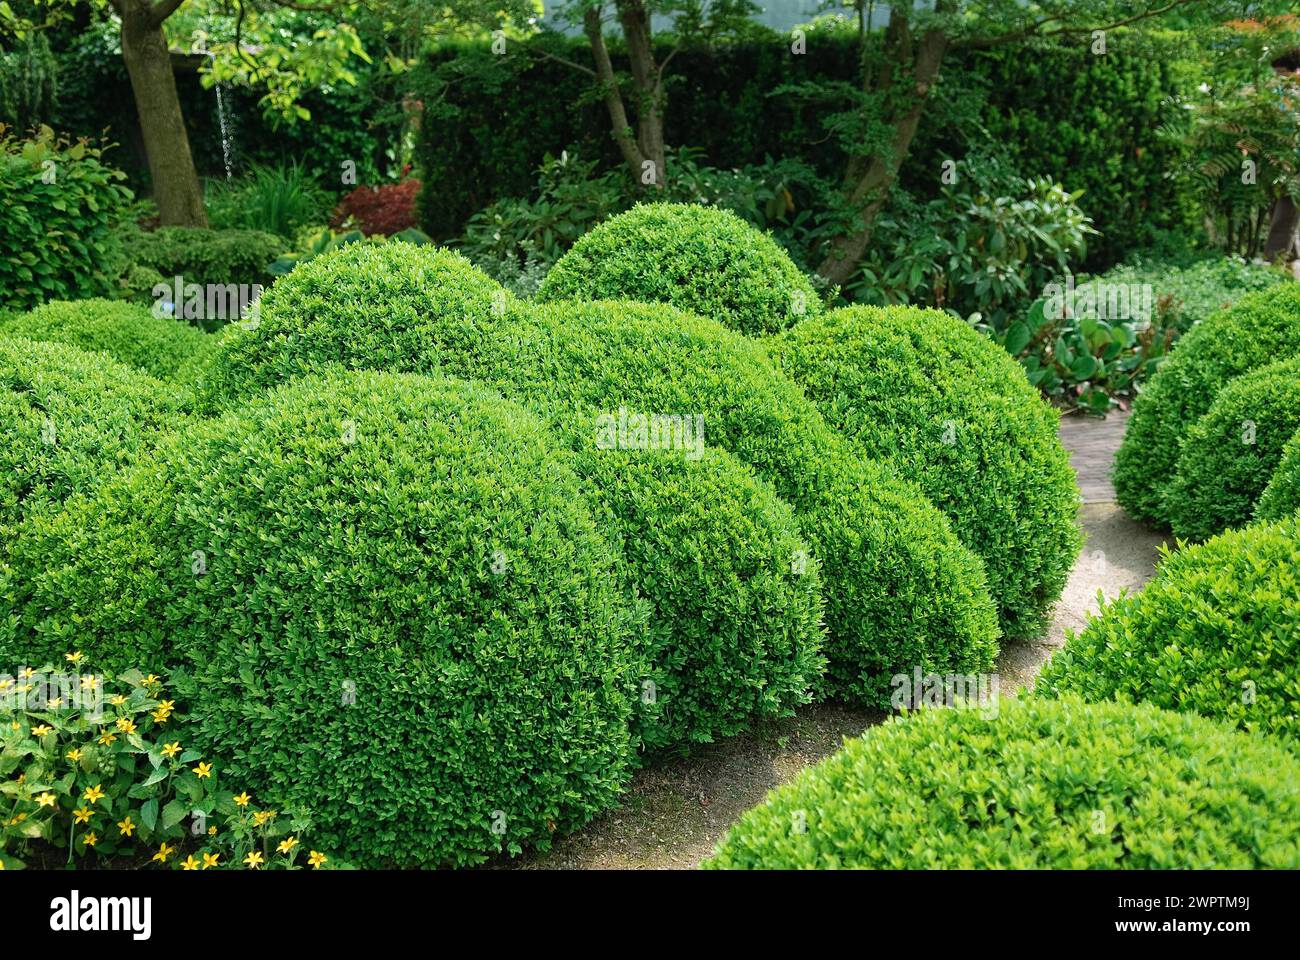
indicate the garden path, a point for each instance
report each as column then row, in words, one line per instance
column 677, row 811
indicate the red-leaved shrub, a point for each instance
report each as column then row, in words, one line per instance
column 383, row 210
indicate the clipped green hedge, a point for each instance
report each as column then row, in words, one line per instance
column 1217, row 632
column 392, row 603
column 1228, row 457
column 1281, row 498
column 161, row 347
column 1257, row 330
column 955, row 414
column 701, row 259
column 1043, row 785
column 69, row 420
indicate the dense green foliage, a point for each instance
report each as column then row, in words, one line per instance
column 1043, row 784
column 955, row 414
column 69, row 419
column 704, row 260
column 392, row 603
column 160, row 346
column 1228, row 456
column 1281, row 498
column 57, row 210
column 1256, row 330
column 1187, row 292
column 1217, row 632
column 273, row 199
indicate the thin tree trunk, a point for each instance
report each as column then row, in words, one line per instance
column 167, row 145
column 1283, row 230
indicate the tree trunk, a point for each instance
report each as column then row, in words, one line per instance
column 869, row 181
column 171, row 165
column 1283, row 230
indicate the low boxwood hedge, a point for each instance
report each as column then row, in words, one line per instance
column 701, row 259
column 1227, row 458
column 1044, row 784
column 1257, row 330
column 130, row 333
column 390, row 603
column 956, row 415
column 1281, row 498
column 1216, row 632
column 69, row 419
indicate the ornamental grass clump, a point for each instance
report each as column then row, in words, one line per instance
column 1041, row 785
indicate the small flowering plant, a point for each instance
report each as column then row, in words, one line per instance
column 97, row 765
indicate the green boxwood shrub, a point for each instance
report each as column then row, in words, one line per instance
column 701, row 259
column 1214, row 633
column 1043, row 784
column 955, row 414
column 390, row 605
column 1257, row 330
column 733, row 636
column 1227, row 458
column 1281, row 498
column 130, row 333
column 69, row 419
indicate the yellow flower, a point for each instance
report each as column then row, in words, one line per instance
column 163, row 853
column 210, row 860
column 166, row 706
column 287, row 845
column 171, row 749
column 18, row 819
column 262, row 817
column 28, row 673
column 117, row 700
column 108, row 738
column 253, row 859
column 91, row 839
column 22, row 778
column 316, row 858
column 159, row 716
column 203, row 770
column 189, row 863
column 82, row 814
column 89, row 682
column 5, row 684
column 42, row 730
column 126, row 724
column 150, row 680
column 73, row 657
column 93, row 794
column 242, row 799
column 212, row 831
column 46, row 799
column 54, row 703
column 75, row 755
column 126, row 826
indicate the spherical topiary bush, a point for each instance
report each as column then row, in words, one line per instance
column 1228, row 456
column 391, row 306
column 1281, row 498
column 701, row 259
column 1043, row 784
column 1257, row 330
column 1216, row 632
column 901, row 589
column 69, row 420
column 393, row 606
column 955, row 414
column 128, row 332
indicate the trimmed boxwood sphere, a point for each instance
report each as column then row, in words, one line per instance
column 394, row 306
column 130, row 333
column 701, row 259
column 393, row 606
column 1257, row 330
column 901, row 589
column 1042, row 785
column 69, row 420
column 1281, row 498
column 1229, row 455
column 956, row 415
column 1216, row 632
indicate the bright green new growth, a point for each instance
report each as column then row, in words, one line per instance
column 394, row 306
column 1043, row 784
column 701, row 259
column 1281, row 498
column 69, row 420
column 164, row 348
column 1257, row 330
column 956, row 415
column 393, row 605
column 1217, row 632
column 1229, row 455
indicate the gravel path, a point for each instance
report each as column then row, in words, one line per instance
column 676, row 812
